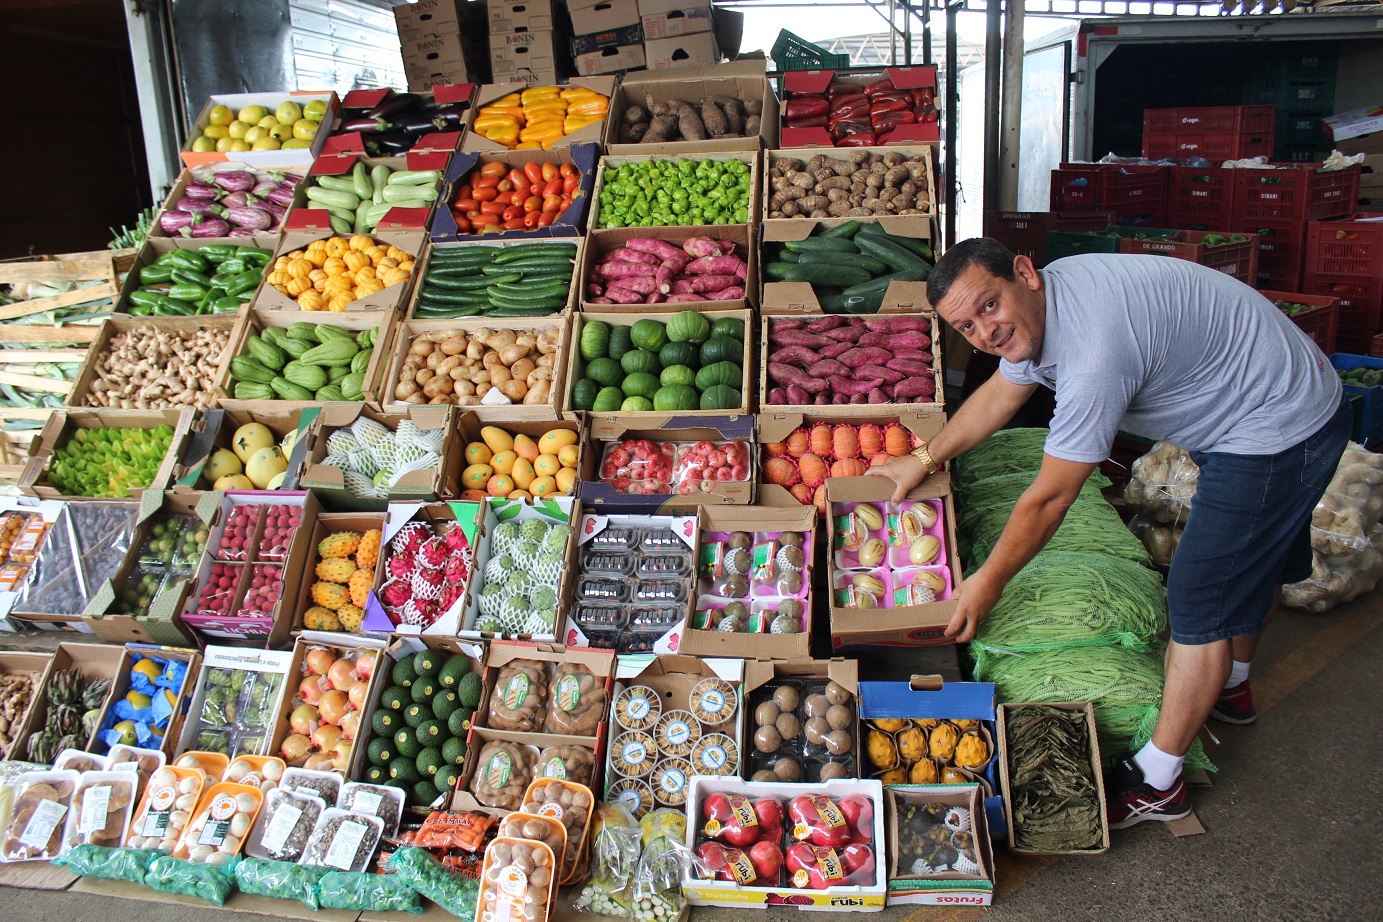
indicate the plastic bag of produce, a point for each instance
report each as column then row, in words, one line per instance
column 281, row 879
column 367, row 892
column 1163, row 484
column 130, row 864
column 430, row 878
column 1159, row 538
column 210, row 882
column 1346, row 540
column 658, row 879
column 1337, row 578
column 616, row 846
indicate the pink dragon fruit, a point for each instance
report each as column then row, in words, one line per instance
column 449, row 596
column 456, row 570
column 433, row 553
column 410, row 538
column 456, row 540
column 401, row 565
column 427, row 584
column 395, row 593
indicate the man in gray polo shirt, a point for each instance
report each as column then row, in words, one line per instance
column 1169, row 350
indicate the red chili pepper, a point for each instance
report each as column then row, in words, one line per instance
column 890, row 103
column 804, row 107
column 843, row 89
column 846, row 99
column 880, row 86
column 863, row 139
column 814, row 121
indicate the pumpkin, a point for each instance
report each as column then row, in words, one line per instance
column 802, row 493
column 722, row 349
column 844, row 442
column 797, row 443
column 727, row 373
column 880, row 459
column 848, row 467
column 781, row 471
column 813, row 470
column 871, row 439
column 620, row 342
column 776, row 449
column 896, row 441
column 819, row 497
column 595, row 340
column 688, row 327
column 720, row 397
column 820, row 439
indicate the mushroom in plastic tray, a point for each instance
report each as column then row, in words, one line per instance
column 166, row 808
column 222, row 821
column 343, row 840
column 100, row 813
column 571, row 804
column 35, row 828
column 517, row 881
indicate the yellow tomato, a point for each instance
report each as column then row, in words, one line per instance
column 305, row 129
column 216, row 131
column 206, row 145
column 265, row 144
column 252, row 114
column 238, row 128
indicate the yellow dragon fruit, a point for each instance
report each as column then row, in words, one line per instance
column 972, row 751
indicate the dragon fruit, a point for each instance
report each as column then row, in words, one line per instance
column 396, row 593
column 400, row 566
column 433, row 553
column 427, row 584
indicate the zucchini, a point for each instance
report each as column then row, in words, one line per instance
column 447, row 283
column 899, row 257
column 832, row 275
column 822, row 243
column 548, row 250
column 920, row 247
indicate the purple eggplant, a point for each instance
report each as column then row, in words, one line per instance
column 197, row 206
column 253, row 218
column 397, row 106
column 201, row 190
column 389, row 144
column 235, row 181
column 420, row 124
column 264, row 187
column 366, row 125
column 291, row 178
column 241, row 232
column 236, row 200
column 278, row 211
column 173, row 221
column 448, row 118
column 283, row 195
column 211, row 227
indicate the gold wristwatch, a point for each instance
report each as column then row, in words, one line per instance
column 926, row 456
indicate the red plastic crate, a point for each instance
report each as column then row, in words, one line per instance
column 1361, row 300
column 1025, row 232
column 1237, row 260
column 1213, row 147
column 1278, row 281
column 1297, row 192
column 1199, row 196
column 1321, row 323
column 1281, row 245
column 1352, row 247
column 1212, row 120
column 1376, row 350
column 1131, row 192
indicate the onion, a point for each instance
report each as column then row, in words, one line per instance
column 295, row 747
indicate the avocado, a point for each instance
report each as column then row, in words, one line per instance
column 422, row 793
column 376, row 774
column 459, row 722
column 431, row 732
column 407, row 743
column 423, row 688
column 417, row 714
column 454, row 751
column 428, row 761
column 403, row 772
column 379, row 752
column 446, row 778
column 394, row 699
column 385, row 721
column 444, row 702
column 403, row 673
column 469, row 689
column 452, row 672
column 427, row 662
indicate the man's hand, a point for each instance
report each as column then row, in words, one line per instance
column 906, row 472
column 978, row 596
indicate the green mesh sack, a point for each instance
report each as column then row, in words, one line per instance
column 367, row 892
column 210, row 882
column 130, row 864
column 281, row 879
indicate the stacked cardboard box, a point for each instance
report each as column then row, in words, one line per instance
column 607, row 36
column 522, row 42
column 441, row 42
column 1360, row 131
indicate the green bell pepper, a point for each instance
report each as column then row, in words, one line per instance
column 245, row 281
column 154, row 274
column 188, row 277
column 219, row 252
column 188, row 259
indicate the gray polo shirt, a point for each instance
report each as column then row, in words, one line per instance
column 1169, row 349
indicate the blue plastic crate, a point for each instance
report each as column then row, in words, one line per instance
column 1369, row 431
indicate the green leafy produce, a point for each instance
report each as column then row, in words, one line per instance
column 1292, row 308
column 280, row 879
column 210, row 882
column 663, row 193
column 109, row 863
column 367, row 892
column 431, row 879
column 109, row 463
column 1056, row 807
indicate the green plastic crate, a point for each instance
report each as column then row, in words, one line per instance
column 793, row 53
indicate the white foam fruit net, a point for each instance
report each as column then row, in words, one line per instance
column 372, row 459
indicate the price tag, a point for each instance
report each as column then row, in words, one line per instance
column 367, row 802
column 278, row 830
column 155, row 825
column 345, row 845
column 39, row 829
column 214, row 832
column 95, row 807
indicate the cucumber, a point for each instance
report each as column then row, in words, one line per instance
column 470, row 283
column 548, row 250
column 445, row 313
column 899, row 257
column 839, row 303
column 822, row 243
column 880, row 284
column 835, row 276
column 457, row 255
column 519, row 293
column 523, row 311
column 920, row 247
column 847, row 230
column 777, row 272
column 544, row 263
column 789, row 256
column 858, row 260
column 438, row 296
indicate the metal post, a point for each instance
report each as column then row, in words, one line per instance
column 993, row 64
column 157, row 107
column 927, row 32
column 1012, row 107
column 952, row 115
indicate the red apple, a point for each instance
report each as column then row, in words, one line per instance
column 710, row 861
column 768, row 863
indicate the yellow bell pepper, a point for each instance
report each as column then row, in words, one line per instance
column 597, row 108
column 512, row 99
column 529, row 145
column 506, row 136
column 576, row 124
column 575, row 92
column 540, row 92
column 542, row 134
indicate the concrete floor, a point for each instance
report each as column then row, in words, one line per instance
column 1294, row 818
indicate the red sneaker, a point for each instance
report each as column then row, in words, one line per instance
column 1235, row 705
column 1131, row 800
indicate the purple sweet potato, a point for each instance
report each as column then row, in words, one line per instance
column 889, row 375
column 822, row 324
column 916, row 355
column 702, row 246
column 826, row 368
column 797, row 396
column 797, row 338
column 778, row 395
column 624, row 296
column 789, row 323
column 682, row 297
column 898, row 324
column 861, row 398
column 733, row 293
column 909, row 339
column 878, row 396
column 849, row 388
column 840, row 400
column 643, row 284
column 845, row 334
column 874, row 339
column 658, row 248
column 834, row 350
column 868, row 355
column 794, row 355
column 657, row 297
column 792, row 376
column 913, row 388
column 601, row 300
column 715, row 265
column 633, row 256
column 908, row 367
column 669, row 269
column 702, row 284
column 620, row 268
column 594, row 290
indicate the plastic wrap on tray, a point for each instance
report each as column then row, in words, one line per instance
column 753, row 582
column 83, row 549
column 646, row 467
column 264, row 592
column 239, row 533
column 280, row 523
column 802, row 730
column 217, row 595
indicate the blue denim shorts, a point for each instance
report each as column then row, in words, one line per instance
column 1249, row 531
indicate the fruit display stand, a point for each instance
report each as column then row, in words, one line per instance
column 32, row 666
column 458, row 525
column 300, row 158
column 577, row 365
column 419, row 310
column 341, row 583
column 353, row 322
column 904, row 225
column 116, row 618
column 208, row 459
column 600, row 132
column 253, row 683
column 95, row 662
column 495, row 405
column 571, row 223
column 901, row 622
column 227, row 325
column 243, row 544
column 308, row 225
column 62, row 425
column 173, row 709
column 362, row 101
column 538, row 701
column 417, row 484
column 520, row 460
column 513, row 611
column 602, row 243
column 919, row 82
column 654, row 479
column 943, row 888
column 762, row 637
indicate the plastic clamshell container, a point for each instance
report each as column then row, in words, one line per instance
column 340, row 848
column 91, row 812
column 121, row 754
column 311, row 781
column 219, row 804
column 512, row 883
column 271, row 829
column 38, row 836
column 152, row 824
column 572, row 863
column 359, row 797
column 77, row 760
column 255, row 774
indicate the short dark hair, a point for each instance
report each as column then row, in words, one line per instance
column 986, row 252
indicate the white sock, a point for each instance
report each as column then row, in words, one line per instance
column 1238, row 673
column 1159, row 768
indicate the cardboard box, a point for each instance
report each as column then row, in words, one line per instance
column 594, row 133
column 260, row 159
column 600, row 663
column 428, row 17
column 221, row 425
column 432, row 79
column 629, row 35
column 799, row 298
column 576, row 367
column 905, row 625
column 851, row 411
column 179, row 191
column 675, row 151
column 213, row 372
column 324, row 524
column 428, row 485
column 63, row 423
column 163, row 623
column 592, row 16
column 743, row 80
column 738, row 896
column 520, row 15
column 609, row 59
column 1353, row 123
column 700, row 640
column 361, row 102
column 35, row 666
column 601, row 242
column 1001, row 733
column 668, row 18
column 922, row 76
column 558, row 509
column 533, row 63
column 672, row 677
column 441, row 518
column 498, row 408
column 441, row 50
column 271, row 629
column 352, row 321
column 267, row 665
column 309, row 224
column 777, row 426
column 949, row 888
column 759, row 672
column 94, row 661
column 192, row 662
column 628, row 639
column 571, row 223
column 606, row 431
column 918, row 225
column 678, row 51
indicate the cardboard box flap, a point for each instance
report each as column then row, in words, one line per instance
column 362, row 99
column 966, row 700
column 807, row 81
column 907, row 78
column 732, row 70
column 635, row 666
column 616, row 427
column 766, row 518
column 776, row 427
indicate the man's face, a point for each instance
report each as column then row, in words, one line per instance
column 1002, row 318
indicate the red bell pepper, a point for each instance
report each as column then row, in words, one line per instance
column 857, row 110
column 843, row 89
column 924, row 96
column 891, row 120
column 848, row 100
column 890, row 103
column 880, row 86
column 845, row 128
column 863, row 139
column 804, row 107
column 811, row 121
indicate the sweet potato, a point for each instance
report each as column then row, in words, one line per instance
column 889, row 375
column 669, row 269
column 716, row 265
column 727, row 247
column 632, row 256
column 660, row 128
column 623, row 296
column 656, row 298
column 620, row 268
column 701, row 246
column 733, row 293
column 657, row 248
column 714, row 119
column 594, row 290
column 822, row 324
column 878, row 396
column 682, row 297
column 874, row 339
column 791, row 376
column 643, row 284
column 797, row 396
column 702, row 284
column 834, row 350
column 840, row 400
column 909, row 339
column 908, row 367
column 599, row 300
column 913, row 388
column 794, row 355
column 845, row 334
column 859, row 386
column 798, row 338
column 826, row 368
column 866, row 355
column 789, row 323
column 916, row 355
column 898, row 324
column 691, row 126
column 777, row 395
column 751, row 126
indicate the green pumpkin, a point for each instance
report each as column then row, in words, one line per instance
column 675, row 397
column 620, row 342
column 721, row 397
column 640, row 360
column 679, row 354
column 608, row 400
column 605, row 372
column 727, row 373
column 649, row 334
column 595, row 340
column 583, row 394
column 688, row 327
column 722, row 349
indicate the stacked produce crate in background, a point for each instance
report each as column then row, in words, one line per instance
column 523, row 41
column 608, row 36
column 443, row 41
column 1302, row 87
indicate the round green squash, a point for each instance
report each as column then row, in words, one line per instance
column 675, row 397
column 648, row 334
column 595, row 340
column 688, row 327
